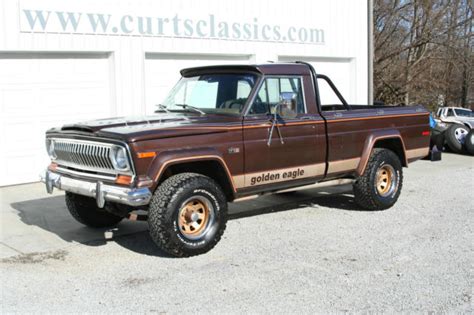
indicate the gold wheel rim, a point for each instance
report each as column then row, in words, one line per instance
column 385, row 180
column 194, row 218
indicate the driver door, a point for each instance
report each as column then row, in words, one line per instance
column 293, row 156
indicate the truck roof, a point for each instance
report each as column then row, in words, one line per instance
column 266, row 68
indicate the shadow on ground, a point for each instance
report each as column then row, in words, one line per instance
column 50, row 214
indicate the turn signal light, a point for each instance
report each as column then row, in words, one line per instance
column 143, row 155
column 123, row 180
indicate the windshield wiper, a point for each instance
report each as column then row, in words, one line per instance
column 186, row 106
column 161, row 108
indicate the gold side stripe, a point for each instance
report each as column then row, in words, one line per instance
column 279, row 175
column 343, row 165
column 306, row 171
column 417, row 153
column 292, row 173
column 239, row 181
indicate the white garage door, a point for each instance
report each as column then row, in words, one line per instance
column 40, row 91
column 341, row 71
column 162, row 72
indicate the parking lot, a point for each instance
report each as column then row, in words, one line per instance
column 313, row 250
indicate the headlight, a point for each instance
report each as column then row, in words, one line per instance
column 119, row 158
column 50, row 149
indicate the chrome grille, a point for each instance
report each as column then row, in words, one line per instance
column 84, row 155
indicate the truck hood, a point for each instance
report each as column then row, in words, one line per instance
column 166, row 125
column 465, row 119
column 460, row 119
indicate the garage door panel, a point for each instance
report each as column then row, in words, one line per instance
column 17, row 101
column 57, row 98
column 162, row 72
column 18, row 134
column 22, row 167
column 39, row 93
column 9, row 77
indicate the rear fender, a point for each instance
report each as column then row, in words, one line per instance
column 371, row 141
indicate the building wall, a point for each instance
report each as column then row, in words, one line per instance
column 60, row 64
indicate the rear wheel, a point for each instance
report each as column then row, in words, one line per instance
column 380, row 185
column 187, row 215
column 469, row 142
column 456, row 136
column 84, row 210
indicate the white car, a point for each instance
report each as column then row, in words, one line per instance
column 456, row 115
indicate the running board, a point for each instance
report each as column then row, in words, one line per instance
column 329, row 183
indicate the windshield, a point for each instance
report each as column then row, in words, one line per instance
column 463, row 112
column 211, row 93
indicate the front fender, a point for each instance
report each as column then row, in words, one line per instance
column 167, row 158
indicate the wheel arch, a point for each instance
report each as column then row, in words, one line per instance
column 387, row 139
column 210, row 164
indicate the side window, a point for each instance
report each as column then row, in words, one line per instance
column 450, row 113
column 273, row 89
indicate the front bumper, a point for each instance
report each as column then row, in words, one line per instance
column 98, row 190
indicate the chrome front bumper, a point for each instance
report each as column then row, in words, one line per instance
column 98, row 190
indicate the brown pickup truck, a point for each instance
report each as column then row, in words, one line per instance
column 225, row 133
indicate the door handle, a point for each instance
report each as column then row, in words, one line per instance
column 308, row 118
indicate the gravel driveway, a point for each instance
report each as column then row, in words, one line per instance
column 312, row 251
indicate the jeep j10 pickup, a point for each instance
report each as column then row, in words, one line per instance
column 225, row 133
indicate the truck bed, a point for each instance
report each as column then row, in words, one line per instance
column 352, row 132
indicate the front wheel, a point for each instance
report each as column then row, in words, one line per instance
column 84, row 210
column 187, row 214
column 380, row 185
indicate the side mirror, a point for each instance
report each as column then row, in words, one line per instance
column 286, row 108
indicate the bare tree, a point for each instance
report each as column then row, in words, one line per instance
column 423, row 52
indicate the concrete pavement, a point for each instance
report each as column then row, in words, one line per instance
column 312, row 251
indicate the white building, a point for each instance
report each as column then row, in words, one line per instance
column 67, row 61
